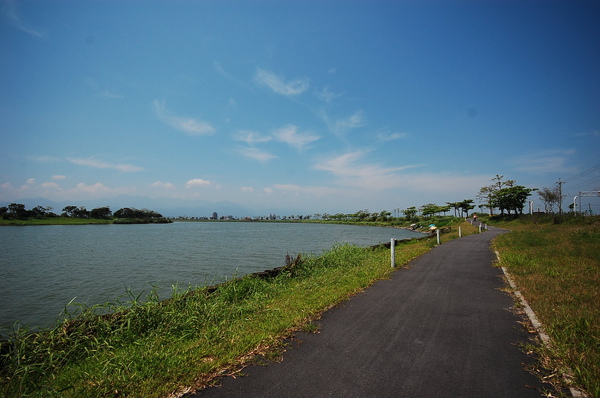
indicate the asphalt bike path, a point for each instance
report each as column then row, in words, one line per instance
column 442, row 328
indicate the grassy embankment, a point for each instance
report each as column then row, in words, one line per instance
column 557, row 269
column 155, row 348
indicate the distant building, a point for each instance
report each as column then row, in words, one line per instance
column 215, row 216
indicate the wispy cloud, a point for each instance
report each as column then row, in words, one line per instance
column 350, row 170
column 289, row 134
column 340, row 127
column 45, row 159
column 99, row 164
column 167, row 186
column 550, row 161
column 11, row 12
column 595, row 133
column 349, row 165
column 309, row 191
column 188, row 125
column 326, row 95
column 228, row 76
column 279, row 85
column 101, row 92
column 387, row 136
column 257, row 154
column 251, row 137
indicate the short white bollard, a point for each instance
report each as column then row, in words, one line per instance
column 459, row 232
column 479, row 228
column 393, row 248
column 437, row 231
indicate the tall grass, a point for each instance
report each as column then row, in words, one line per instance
column 144, row 347
column 556, row 264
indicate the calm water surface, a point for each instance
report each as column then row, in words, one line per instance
column 42, row 268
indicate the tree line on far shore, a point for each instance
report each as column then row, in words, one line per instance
column 124, row 215
column 504, row 195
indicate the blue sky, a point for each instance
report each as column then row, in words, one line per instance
column 305, row 106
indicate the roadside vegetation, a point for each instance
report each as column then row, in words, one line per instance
column 145, row 347
column 555, row 261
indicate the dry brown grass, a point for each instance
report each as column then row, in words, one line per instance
column 557, row 268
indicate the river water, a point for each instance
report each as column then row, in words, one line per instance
column 42, row 268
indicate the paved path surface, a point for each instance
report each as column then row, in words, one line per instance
column 442, row 328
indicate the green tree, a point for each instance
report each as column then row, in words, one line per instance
column 17, row 210
column 488, row 194
column 81, row 212
column 40, row 211
column 410, row 213
column 429, row 210
column 101, row 212
column 455, row 206
column 384, row 215
column 68, row 211
column 465, row 206
column 512, row 198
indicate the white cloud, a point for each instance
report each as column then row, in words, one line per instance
column 289, row 135
column 551, row 161
column 251, row 137
column 256, row 154
column 31, row 181
column 268, row 191
column 197, row 182
column 99, row 164
column 247, row 189
column 279, row 85
column 340, row 127
column 58, row 177
column 187, row 125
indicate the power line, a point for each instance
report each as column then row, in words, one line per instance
column 584, row 172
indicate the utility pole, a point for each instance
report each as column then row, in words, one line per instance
column 560, row 197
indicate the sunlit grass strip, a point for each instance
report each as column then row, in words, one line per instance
column 154, row 348
column 557, row 268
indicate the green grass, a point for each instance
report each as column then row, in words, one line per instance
column 149, row 348
column 55, row 221
column 556, row 264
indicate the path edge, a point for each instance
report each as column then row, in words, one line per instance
column 567, row 373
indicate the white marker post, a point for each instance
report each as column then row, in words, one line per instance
column 393, row 248
column 437, row 231
column 459, row 232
